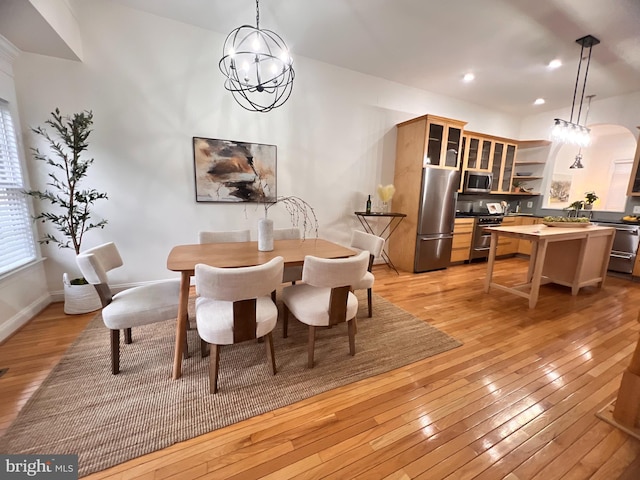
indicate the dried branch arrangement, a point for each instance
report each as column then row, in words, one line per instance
column 302, row 214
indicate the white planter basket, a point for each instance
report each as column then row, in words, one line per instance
column 79, row 298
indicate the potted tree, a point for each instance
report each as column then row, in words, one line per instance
column 71, row 205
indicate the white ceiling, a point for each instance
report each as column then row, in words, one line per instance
column 431, row 44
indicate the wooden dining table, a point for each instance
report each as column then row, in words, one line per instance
column 184, row 258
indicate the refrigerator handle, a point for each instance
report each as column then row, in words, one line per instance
column 440, row 237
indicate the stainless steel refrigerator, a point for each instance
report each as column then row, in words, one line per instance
column 436, row 218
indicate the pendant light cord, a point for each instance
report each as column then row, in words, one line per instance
column 575, row 88
column 584, row 86
column 257, row 16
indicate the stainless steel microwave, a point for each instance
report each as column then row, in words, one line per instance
column 476, row 181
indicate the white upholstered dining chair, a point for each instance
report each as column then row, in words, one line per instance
column 224, row 236
column 293, row 273
column 325, row 298
column 233, row 306
column 129, row 308
column 373, row 244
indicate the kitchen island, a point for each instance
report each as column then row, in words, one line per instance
column 571, row 256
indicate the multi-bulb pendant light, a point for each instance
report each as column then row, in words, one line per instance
column 568, row 131
column 257, row 66
column 577, row 163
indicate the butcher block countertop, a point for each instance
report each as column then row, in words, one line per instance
column 558, row 233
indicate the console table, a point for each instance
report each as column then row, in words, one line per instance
column 392, row 221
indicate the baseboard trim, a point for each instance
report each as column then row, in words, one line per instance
column 20, row 319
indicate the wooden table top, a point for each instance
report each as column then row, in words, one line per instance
column 183, row 258
column 541, row 231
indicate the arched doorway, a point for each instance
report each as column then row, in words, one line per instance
column 606, row 163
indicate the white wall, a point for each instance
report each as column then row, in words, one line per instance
column 59, row 15
column 22, row 293
column 622, row 110
column 153, row 83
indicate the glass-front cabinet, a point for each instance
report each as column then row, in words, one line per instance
column 476, row 153
column 443, row 140
column 507, row 171
column 504, row 155
column 485, row 155
column 496, row 165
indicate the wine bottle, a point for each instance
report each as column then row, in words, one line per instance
column 369, row 204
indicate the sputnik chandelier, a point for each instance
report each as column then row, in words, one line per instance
column 257, row 66
column 568, row 131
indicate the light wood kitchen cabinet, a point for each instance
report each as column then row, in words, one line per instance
column 422, row 139
column 504, row 155
column 524, row 246
column 462, row 235
column 508, row 245
column 634, row 182
column 476, row 153
column 636, row 267
column 442, row 146
column 493, row 154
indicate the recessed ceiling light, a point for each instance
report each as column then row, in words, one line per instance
column 554, row 64
column 469, row 77
column 539, row 101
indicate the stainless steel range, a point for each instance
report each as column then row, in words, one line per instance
column 625, row 246
column 481, row 239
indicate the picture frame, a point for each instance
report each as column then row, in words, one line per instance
column 230, row 171
column 560, row 189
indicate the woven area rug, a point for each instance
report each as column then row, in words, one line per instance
column 107, row 419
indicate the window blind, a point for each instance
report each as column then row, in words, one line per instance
column 16, row 239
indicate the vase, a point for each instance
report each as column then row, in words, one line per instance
column 588, row 206
column 385, row 207
column 265, row 235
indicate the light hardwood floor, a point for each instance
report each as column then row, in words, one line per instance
column 516, row 401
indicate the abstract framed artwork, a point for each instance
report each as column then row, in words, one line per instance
column 232, row 171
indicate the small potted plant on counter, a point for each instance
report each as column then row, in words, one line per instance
column 590, row 198
column 575, row 207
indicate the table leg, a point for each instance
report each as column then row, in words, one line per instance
column 537, row 273
column 575, row 283
column 532, row 260
column 492, row 258
column 181, row 324
column 605, row 264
